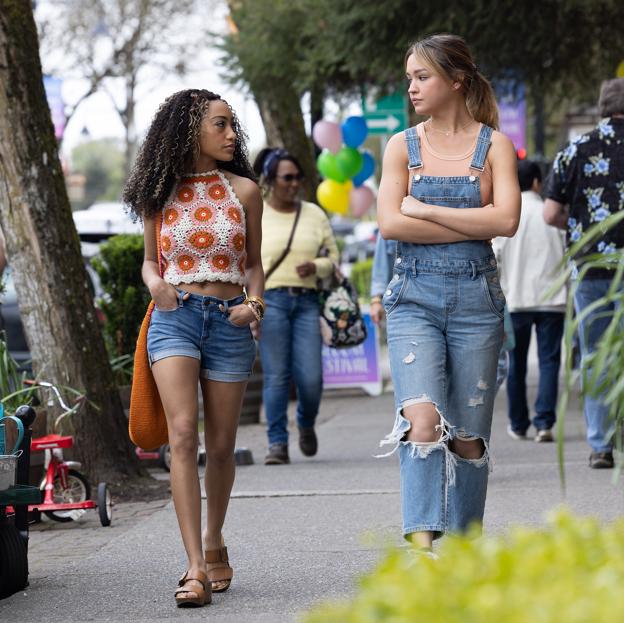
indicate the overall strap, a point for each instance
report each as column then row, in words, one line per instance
column 413, row 148
column 483, row 144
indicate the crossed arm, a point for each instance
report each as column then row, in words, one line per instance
column 410, row 220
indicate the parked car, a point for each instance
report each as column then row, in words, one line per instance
column 361, row 243
column 103, row 220
column 10, row 319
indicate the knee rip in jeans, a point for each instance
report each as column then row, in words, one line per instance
column 422, row 449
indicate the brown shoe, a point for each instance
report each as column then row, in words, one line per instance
column 220, row 573
column 308, row 443
column 194, row 590
column 277, row 455
column 601, row 460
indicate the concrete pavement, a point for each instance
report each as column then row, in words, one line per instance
column 297, row 534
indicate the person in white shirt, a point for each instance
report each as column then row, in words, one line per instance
column 528, row 265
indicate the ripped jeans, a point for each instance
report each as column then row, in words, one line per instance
column 445, row 331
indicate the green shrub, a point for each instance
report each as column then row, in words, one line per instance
column 125, row 296
column 361, row 277
column 571, row 571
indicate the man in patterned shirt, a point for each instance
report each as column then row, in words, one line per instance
column 585, row 187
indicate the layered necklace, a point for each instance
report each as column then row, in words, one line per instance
column 447, row 132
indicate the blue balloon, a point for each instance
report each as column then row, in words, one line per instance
column 354, row 131
column 368, row 168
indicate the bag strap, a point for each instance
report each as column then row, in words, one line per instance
column 286, row 251
column 158, row 225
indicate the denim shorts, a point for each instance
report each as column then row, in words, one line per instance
column 198, row 328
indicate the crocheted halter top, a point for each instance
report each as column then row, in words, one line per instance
column 202, row 236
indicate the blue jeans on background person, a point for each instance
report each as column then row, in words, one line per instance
column 549, row 330
column 290, row 349
column 600, row 428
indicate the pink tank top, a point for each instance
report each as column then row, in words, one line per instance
column 203, row 231
column 441, row 165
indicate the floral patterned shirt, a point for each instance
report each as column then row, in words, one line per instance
column 588, row 176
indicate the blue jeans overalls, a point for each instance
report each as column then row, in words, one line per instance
column 444, row 308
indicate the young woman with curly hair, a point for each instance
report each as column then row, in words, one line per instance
column 194, row 189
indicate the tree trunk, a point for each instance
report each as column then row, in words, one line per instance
column 317, row 106
column 129, row 123
column 284, row 126
column 59, row 320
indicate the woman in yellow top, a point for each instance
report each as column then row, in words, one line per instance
column 290, row 342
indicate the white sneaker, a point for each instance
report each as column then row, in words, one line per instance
column 515, row 434
column 544, row 435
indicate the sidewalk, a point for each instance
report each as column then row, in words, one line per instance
column 297, row 534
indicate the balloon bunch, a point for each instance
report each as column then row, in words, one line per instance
column 344, row 167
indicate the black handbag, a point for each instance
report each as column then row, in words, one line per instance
column 342, row 325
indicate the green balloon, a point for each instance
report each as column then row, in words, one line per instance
column 350, row 161
column 328, row 167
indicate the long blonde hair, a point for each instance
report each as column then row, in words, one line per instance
column 450, row 56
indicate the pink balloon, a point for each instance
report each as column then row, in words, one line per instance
column 361, row 199
column 327, row 135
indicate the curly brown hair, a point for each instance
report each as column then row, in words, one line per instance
column 171, row 147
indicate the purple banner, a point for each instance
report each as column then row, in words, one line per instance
column 512, row 111
column 354, row 367
column 52, row 88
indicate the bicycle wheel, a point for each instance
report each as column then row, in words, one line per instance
column 78, row 490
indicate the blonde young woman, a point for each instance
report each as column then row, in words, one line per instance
column 194, row 189
column 449, row 186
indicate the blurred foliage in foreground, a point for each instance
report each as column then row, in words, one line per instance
column 571, row 571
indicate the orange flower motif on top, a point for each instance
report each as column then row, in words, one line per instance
column 238, row 242
column 217, row 192
column 235, row 215
column 203, row 214
column 186, row 263
column 185, row 194
column 221, row 262
column 165, row 243
column 201, row 239
column 171, row 216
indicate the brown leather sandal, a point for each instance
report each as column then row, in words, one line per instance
column 202, row 595
column 219, row 571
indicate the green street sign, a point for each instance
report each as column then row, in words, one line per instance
column 386, row 122
column 385, row 115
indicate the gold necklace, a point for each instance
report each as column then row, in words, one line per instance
column 447, row 132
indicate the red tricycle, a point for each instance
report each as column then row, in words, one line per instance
column 66, row 491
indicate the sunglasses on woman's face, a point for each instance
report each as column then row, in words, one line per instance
column 291, row 177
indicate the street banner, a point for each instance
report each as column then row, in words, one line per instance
column 355, row 367
column 511, row 98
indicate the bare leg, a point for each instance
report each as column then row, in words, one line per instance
column 176, row 378
column 222, row 406
column 423, row 418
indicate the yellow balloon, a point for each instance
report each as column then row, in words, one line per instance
column 334, row 196
column 619, row 72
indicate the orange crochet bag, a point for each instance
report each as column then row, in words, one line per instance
column 147, row 424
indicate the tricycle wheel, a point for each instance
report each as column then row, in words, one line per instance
column 104, row 504
column 78, row 490
column 13, row 560
column 165, row 456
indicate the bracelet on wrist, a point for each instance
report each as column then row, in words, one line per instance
column 257, row 299
column 256, row 310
